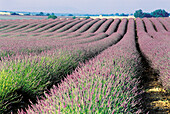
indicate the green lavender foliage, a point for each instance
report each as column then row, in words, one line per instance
column 106, row 84
column 103, row 85
column 32, row 75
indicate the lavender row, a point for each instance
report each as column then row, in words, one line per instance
column 76, row 27
column 16, row 23
column 168, row 20
column 87, row 26
column 141, row 28
column 165, row 23
column 95, row 26
column 60, row 25
column 149, row 27
column 122, row 27
column 161, row 35
column 105, row 26
column 158, row 25
column 9, row 45
column 63, row 26
column 112, row 28
column 49, row 26
column 157, row 52
column 43, row 70
column 38, row 42
column 39, row 26
column 20, row 26
column 68, row 26
column 82, row 39
column 101, row 86
column 106, row 84
column 9, row 27
column 33, row 23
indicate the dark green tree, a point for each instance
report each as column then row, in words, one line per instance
column 70, row 14
column 41, row 14
column 87, row 17
column 147, row 15
column 74, row 17
column 52, row 17
column 14, row 13
column 159, row 13
column 139, row 13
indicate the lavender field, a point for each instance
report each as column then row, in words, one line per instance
column 88, row 66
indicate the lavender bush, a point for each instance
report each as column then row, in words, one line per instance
column 165, row 24
column 95, row 26
column 104, row 26
column 122, row 27
column 157, row 51
column 68, row 26
column 158, row 25
column 32, row 75
column 106, row 84
column 39, row 26
column 149, row 27
column 40, row 71
column 112, row 28
column 76, row 27
column 87, row 26
column 59, row 26
column 34, row 23
column 49, row 26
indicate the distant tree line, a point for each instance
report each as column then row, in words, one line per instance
column 14, row 13
column 157, row 13
column 40, row 14
column 50, row 16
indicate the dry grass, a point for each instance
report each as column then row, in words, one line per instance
column 159, row 97
column 156, row 89
column 161, row 104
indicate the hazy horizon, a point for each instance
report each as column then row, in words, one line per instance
column 85, row 6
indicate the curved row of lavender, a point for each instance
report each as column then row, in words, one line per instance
column 165, row 23
column 159, row 27
column 162, row 33
column 49, row 26
column 76, row 27
column 95, row 26
column 29, row 75
column 167, row 19
column 106, row 84
column 156, row 30
column 156, row 49
column 87, row 26
column 68, row 26
column 57, row 25
column 113, row 27
column 43, row 35
column 105, row 26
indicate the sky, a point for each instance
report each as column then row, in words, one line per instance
column 84, row 6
